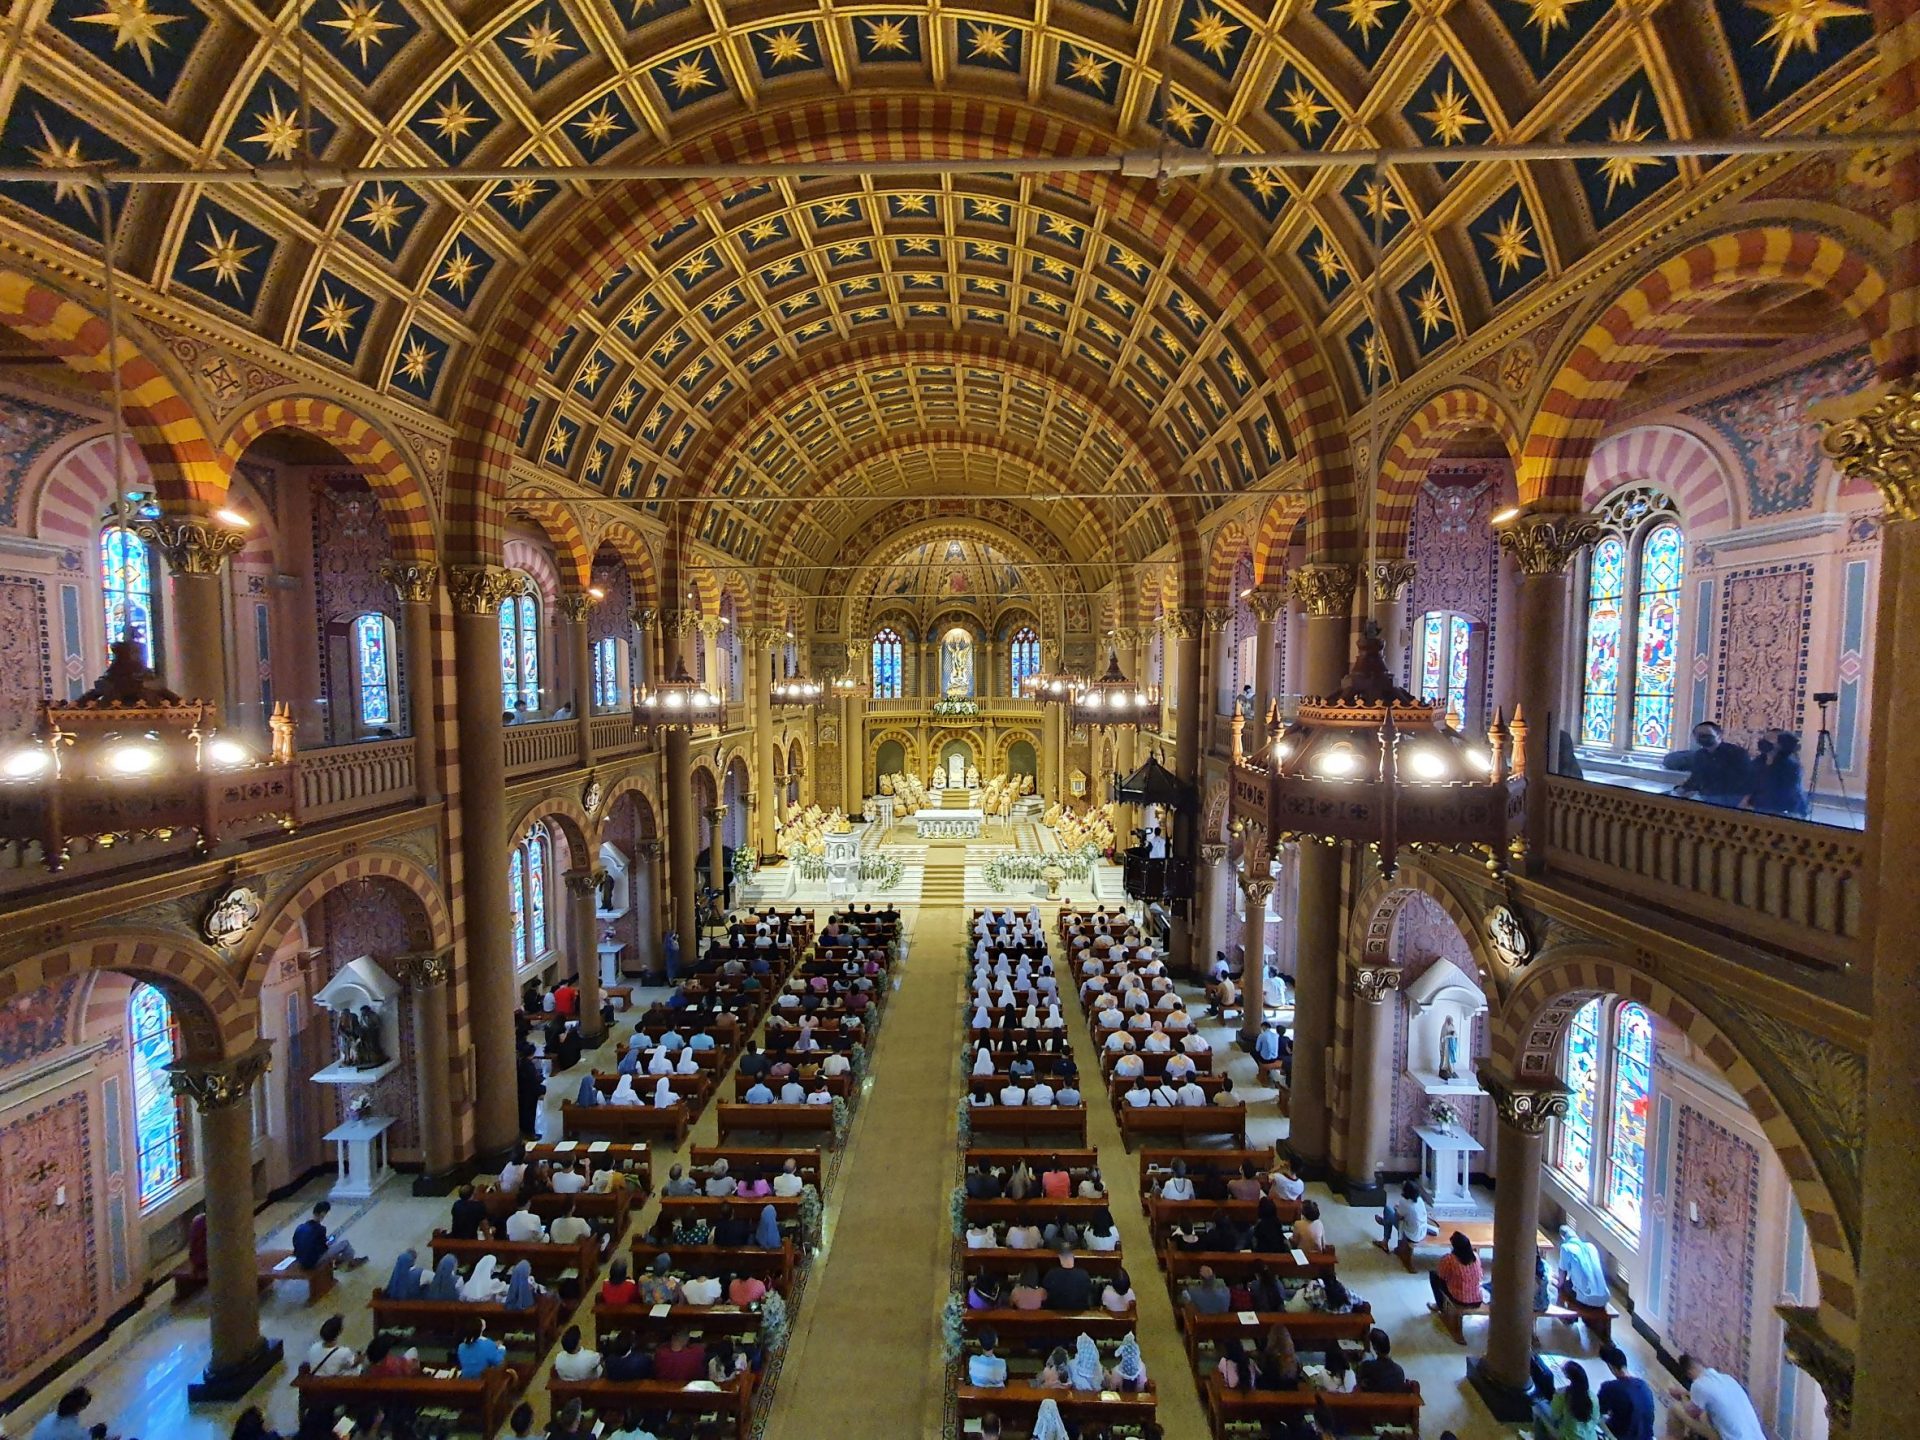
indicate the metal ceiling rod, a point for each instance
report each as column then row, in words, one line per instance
column 1151, row 164
column 748, row 501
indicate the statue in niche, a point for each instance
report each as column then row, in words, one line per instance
column 956, row 665
column 359, row 1038
column 1449, row 1049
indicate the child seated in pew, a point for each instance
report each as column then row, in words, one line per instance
column 1083, row 1370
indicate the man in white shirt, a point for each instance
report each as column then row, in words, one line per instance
column 524, row 1225
column 1165, row 1095
column 1139, row 1097
column 788, row 1183
column 1040, row 1093
column 1286, row 1188
column 1191, row 1093
column 793, row 1093
column 1713, row 1404
column 569, row 1181
column 835, row 1064
column 568, row 1228
column 1158, row 1042
column 1119, row 1043
column 1129, row 1067
column 1196, row 1044
column 1179, row 1066
column 575, row 1361
column 1012, row 1094
column 701, row 1290
column 327, row 1356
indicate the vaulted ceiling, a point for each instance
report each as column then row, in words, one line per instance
column 804, row 351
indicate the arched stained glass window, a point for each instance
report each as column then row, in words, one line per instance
column 1023, row 659
column 126, row 582
column 1575, row 1157
column 520, row 651
column 373, row 668
column 1444, row 641
column 1632, row 1098
column 517, row 903
column 159, row 1134
column 1606, row 594
column 1662, row 561
column 536, row 845
column 606, row 674
column 886, row 665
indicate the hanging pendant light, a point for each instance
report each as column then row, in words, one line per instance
column 1113, row 702
column 679, row 703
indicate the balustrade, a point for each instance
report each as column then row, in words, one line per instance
column 542, row 745
column 344, row 779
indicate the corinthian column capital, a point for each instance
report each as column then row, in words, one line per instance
column 1323, row 589
column 1547, row 544
column 193, row 546
column 1875, row 436
column 220, row 1084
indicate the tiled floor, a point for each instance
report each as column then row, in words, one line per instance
column 140, row 1374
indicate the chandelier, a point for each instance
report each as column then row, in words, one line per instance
column 1113, row 701
column 679, row 702
column 1050, row 687
column 130, row 760
column 851, row 687
column 797, row 690
column 1375, row 766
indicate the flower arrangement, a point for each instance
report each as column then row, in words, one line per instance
column 810, row 1212
column 957, row 1209
column 746, row 863
column 360, row 1106
column 773, row 1320
column 953, row 1327
column 857, row 1061
column 840, row 1117
column 1003, row 871
column 965, row 1122
column 956, row 709
column 1443, row 1115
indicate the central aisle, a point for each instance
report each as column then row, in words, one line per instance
column 865, row 1358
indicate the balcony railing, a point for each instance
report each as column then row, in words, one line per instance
column 1787, row 885
column 346, row 779
column 990, row 705
column 613, row 734
column 543, row 745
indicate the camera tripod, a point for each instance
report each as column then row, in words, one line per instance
column 1824, row 749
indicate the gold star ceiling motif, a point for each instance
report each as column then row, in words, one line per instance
column 135, row 25
column 1794, row 25
column 1621, row 169
column 1510, row 243
column 56, row 154
column 361, row 27
column 224, row 257
column 416, row 360
column 541, row 43
column 333, row 318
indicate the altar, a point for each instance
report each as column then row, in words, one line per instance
column 944, row 822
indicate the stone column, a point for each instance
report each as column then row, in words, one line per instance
column 1125, row 740
column 682, row 845
column 1267, row 606
column 583, row 893
column 1501, row 1378
column 1387, row 582
column 718, row 678
column 1215, row 661
column 413, row 586
column 1324, row 593
column 645, row 620
column 221, row 1091
column 492, row 997
column 717, row 852
column 1184, row 629
column 1371, row 1095
column 1543, row 548
column 425, row 976
column 761, row 645
column 194, row 661
column 853, row 756
column 574, row 609
column 1257, row 885
column 1876, row 437
column 1216, row 891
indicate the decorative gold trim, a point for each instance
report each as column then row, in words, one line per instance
column 1875, row 436
column 1371, row 984
column 1184, row 623
column 1387, row 578
column 1323, row 590
column 1547, row 544
column 576, row 606
column 480, row 589
column 412, row 583
column 585, row 882
column 1526, row 1108
column 220, row 1084
column 422, row 970
column 192, row 546
column 1216, row 618
column 1212, row 854
column 1266, row 603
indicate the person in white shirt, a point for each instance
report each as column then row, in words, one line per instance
column 1177, row 1022
column 1196, row 1044
column 569, row 1181
column 568, row 1228
column 523, row 1225
column 701, row 1290
column 1040, row 1093
column 1165, row 1095
column 788, row 1183
column 720, row 1183
column 1191, row 1093
column 1285, row 1188
column 657, row 1061
column 1139, row 1097
column 835, row 1064
column 1067, row 1094
column 1012, row 1094
column 1023, row 1237
column 983, row 1060
column 511, row 1174
column 689, row 1063
column 327, row 1356
column 982, row 1237
column 1129, row 1067
column 819, row 1095
column 793, row 1093
column 1713, row 1404
column 1119, row 1043
column 1179, row 1066
column 1177, row 1186
column 1157, row 1042
column 1110, row 1017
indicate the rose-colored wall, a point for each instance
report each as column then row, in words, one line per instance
column 1424, row 934
column 378, row 919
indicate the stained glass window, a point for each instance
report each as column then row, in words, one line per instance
column 606, row 674
column 510, row 652
column 536, row 848
column 373, row 665
column 1444, row 640
column 1600, row 687
column 1662, row 560
column 1433, row 646
column 517, row 903
column 157, row 1129
column 1023, row 659
column 886, row 665
column 529, row 653
column 126, row 581
column 1575, row 1158
column 1627, row 1130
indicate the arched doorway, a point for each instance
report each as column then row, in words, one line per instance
column 629, row 908
column 957, row 762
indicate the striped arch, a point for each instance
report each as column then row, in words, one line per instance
column 556, row 521
column 1224, row 549
column 909, row 748
column 1259, row 299
column 561, row 812
column 1370, row 926
column 647, row 807
column 531, row 559
column 1403, row 468
column 1629, row 333
column 367, row 865
column 409, row 515
column 1003, row 749
column 1278, row 522
column 216, row 1020
column 1527, row 1035
column 634, row 552
column 189, row 475
column 1680, row 463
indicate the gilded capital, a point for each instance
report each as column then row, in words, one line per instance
column 715, row 814
column 768, row 638
column 1372, row 983
column 1184, row 623
column 650, row 849
column 585, row 882
column 1324, row 589
column 1829, row 1362
column 1216, row 618
column 192, row 546
column 1267, row 602
column 1212, row 854
column 576, row 605
column 644, row 617
column 1526, row 1108
column 412, row 584
column 1875, row 436
column 710, row 626
column 421, row 971
column 220, row 1084
column 1257, row 888
column 480, row 589
column 1546, row 544
column 683, row 622
column 1387, row 578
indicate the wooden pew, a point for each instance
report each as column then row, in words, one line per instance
column 773, row 1266
column 269, row 1266
column 610, row 1210
column 1156, row 1163
column 549, row 1261
column 1025, row 1121
column 692, row 1089
column 624, row 1122
column 840, row 1085
column 613, row 1398
column 1231, row 1265
column 1076, row 1160
column 1359, row 1413
column 649, row 1328
column 1102, row 1263
column 540, row 1325
column 1212, row 1085
column 635, row 1160
column 1185, row 1121
column 739, row 1118
column 487, row 1399
column 1043, row 1329
column 1311, row 1330
column 1018, row 1406
column 751, row 1162
column 1226, row 1407
column 747, row 1207
column 1037, row 1208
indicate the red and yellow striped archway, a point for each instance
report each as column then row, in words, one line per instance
column 634, row 552
column 1403, row 468
column 1224, row 549
column 403, row 499
column 189, row 475
column 557, row 522
column 402, row 870
column 216, row 1020
column 1629, row 333
column 1278, row 522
